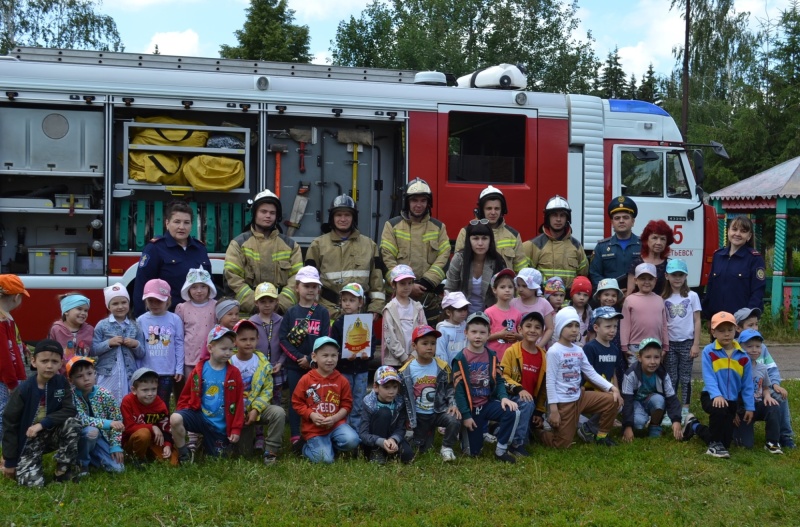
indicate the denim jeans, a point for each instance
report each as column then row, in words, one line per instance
column 492, row 411
column 320, row 449
column 643, row 409
column 786, row 422
column 358, row 385
column 526, row 409
column 93, row 449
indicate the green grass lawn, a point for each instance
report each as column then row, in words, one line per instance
column 651, row 482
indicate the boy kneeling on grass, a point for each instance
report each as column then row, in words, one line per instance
column 211, row 401
column 481, row 391
column 256, row 372
column 40, row 418
column 382, row 426
column 100, row 441
column 647, row 392
column 323, row 399
column 427, row 386
column 147, row 432
column 566, row 362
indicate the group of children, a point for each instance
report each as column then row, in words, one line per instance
column 528, row 366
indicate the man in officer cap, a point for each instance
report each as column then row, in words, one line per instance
column 262, row 254
column 343, row 255
column 492, row 208
column 418, row 240
column 613, row 255
column 555, row 252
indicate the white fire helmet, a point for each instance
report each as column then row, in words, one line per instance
column 487, row 194
column 266, row 196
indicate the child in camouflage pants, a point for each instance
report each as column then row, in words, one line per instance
column 40, row 418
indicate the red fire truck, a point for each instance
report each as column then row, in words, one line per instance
column 76, row 210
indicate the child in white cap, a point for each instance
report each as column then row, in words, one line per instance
column 644, row 314
column 197, row 314
column 118, row 343
column 400, row 317
column 453, row 328
column 530, row 298
column 566, row 366
column 302, row 325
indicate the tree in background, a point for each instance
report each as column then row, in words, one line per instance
column 649, row 90
column 67, row 24
column 269, row 34
column 461, row 36
column 612, row 79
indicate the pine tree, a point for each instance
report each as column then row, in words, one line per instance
column 648, row 91
column 631, row 92
column 269, row 34
column 612, row 79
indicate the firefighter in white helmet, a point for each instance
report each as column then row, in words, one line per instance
column 343, row 255
column 492, row 207
column 555, row 252
column 263, row 254
column 416, row 239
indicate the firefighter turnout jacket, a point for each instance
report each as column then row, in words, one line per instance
column 508, row 243
column 253, row 258
column 563, row 257
column 423, row 246
column 344, row 260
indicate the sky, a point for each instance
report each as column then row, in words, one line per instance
column 645, row 31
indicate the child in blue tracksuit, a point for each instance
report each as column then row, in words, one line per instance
column 727, row 376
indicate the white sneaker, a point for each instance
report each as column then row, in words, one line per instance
column 489, row 438
column 447, row 454
column 666, row 421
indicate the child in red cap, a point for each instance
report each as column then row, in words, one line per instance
column 580, row 293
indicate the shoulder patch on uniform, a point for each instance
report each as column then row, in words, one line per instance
column 754, row 252
column 287, row 240
column 156, row 239
column 436, row 222
column 243, row 237
column 143, row 260
column 761, row 273
column 512, row 230
column 605, row 240
column 576, row 243
column 540, row 241
column 394, row 221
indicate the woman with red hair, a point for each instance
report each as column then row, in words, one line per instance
column 656, row 241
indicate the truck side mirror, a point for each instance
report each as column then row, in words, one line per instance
column 699, row 164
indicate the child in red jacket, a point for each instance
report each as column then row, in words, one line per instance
column 211, row 401
column 323, row 399
column 147, row 432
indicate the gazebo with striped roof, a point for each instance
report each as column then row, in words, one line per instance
column 775, row 189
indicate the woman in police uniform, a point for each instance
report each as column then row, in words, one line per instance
column 170, row 256
column 738, row 274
